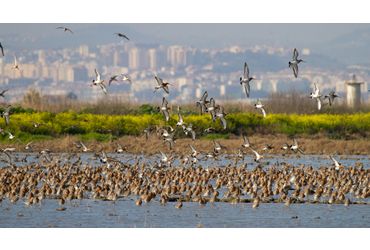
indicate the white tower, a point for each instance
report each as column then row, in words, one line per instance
column 354, row 92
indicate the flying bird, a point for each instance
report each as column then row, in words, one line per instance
column 126, row 77
column 245, row 80
column 113, row 78
column 212, row 108
column 260, row 106
column 258, row 157
column 294, row 63
column 122, row 36
column 331, row 96
column 316, row 95
column 99, row 82
column 15, row 66
column 220, row 113
column 161, row 85
column 164, row 109
column 3, row 92
column 65, row 29
column 6, row 114
column 295, row 147
column 203, row 102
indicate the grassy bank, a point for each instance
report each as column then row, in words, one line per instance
column 107, row 127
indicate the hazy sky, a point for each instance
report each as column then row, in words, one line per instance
column 197, row 34
column 346, row 41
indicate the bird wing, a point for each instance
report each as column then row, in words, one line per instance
column 6, row 119
column 159, row 80
column 192, row 149
column 83, row 145
column 102, row 86
column 246, row 71
column 124, row 36
column 245, row 139
column 204, row 97
column 166, row 89
column 68, row 29
column 164, row 102
column 318, row 103
column 295, row 54
column 317, row 90
column 15, row 61
column 60, row 27
column 166, row 114
column 180, row 118
column 97, row 75
column 263, row 112
column 223, row 121
column 247, row 88
column 295, row 70
column 255, row 152
column 295, row 143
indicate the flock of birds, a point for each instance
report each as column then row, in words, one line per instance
column 64, row 179
column 67, row 179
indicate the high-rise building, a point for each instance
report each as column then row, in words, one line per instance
column 176, row 56
column 133, row 58
column 84, row 50
column 152, row 59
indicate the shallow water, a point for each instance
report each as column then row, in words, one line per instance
column 124, row 213
column 295, row 160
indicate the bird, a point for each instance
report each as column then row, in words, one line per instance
column 189, row 129
column 212, row 108
column 3, row 92
column 294, row 147
column 170, row 139
column 11, row 136
column 15, row 66
column 6, row 114
column 2, row 49
column 316, row 95
column 246, row 143
column 203, row 102
column 260, row 106
column 294, row 63
column 84, row 148
column 161, row 85
column 164, row 109
column 331, row 96
column 126, row 77
column 120, row 149
column 194, row 152
column 245, row 79
column 28, row 146
column 180, row 122
column 122, row 36
column 336, row 163
column 220, row 113
column 209, row 130
column 267, row 147
column 147, row 132
column 113, row 78
column 65, row 29
column 258, row 157
column 286, row 146
column 216, row 147
column 99, row 82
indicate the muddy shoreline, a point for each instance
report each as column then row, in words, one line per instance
column 139, row 145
